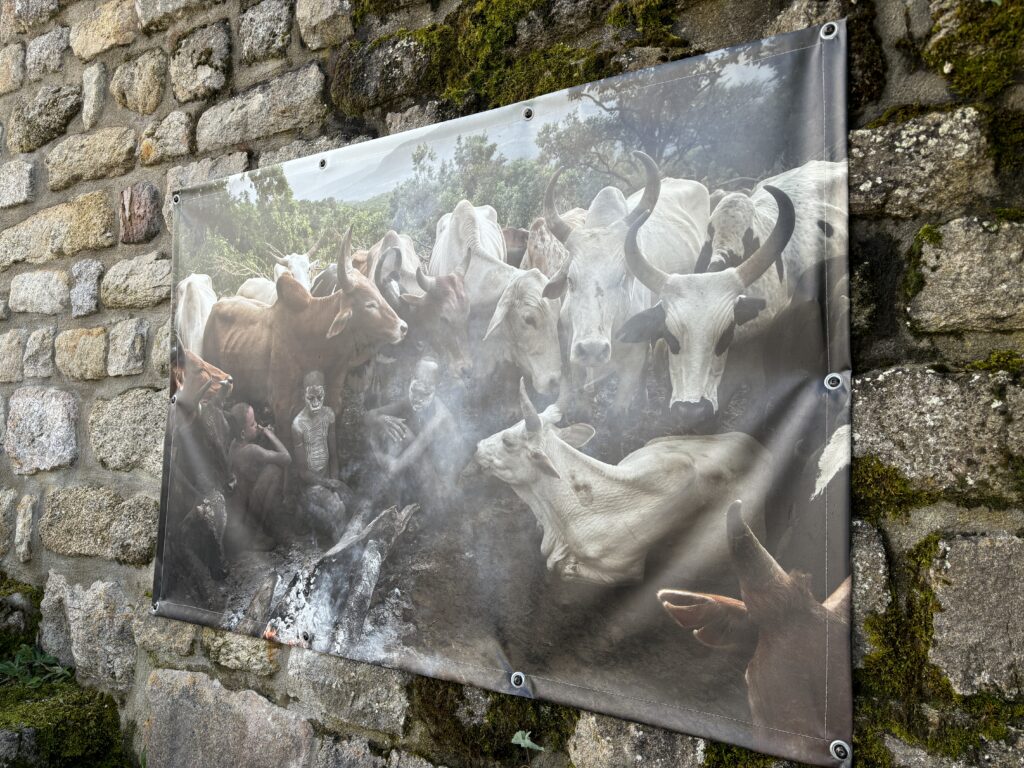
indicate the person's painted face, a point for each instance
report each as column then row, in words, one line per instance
column 250, row 430
column 421, row 394
column 315, row 397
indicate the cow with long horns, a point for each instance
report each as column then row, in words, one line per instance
column 599, row 295
column 297, row 264
column 600, row 520
column 521, row 322
column 268, row 349
column 701, row 315
column 798, row 673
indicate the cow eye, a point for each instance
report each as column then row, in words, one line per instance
column 570, row 282
column 371, row 305
column 507, row 441
column 530, row 320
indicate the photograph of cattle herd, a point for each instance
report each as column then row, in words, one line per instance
column 560, row 389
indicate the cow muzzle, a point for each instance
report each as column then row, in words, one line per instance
column 692, row 416
column 592, row 352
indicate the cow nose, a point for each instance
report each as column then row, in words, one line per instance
column 593, row 351
column 551, row 385
column 692, row 415
column 402, row 329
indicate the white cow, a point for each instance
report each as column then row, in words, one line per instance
column 298, row 264
column 194, row 299
column 701, row 315
column 599, row 293
column 600, row 520
column 741, row 222
column 522, row 325
column 258, row 289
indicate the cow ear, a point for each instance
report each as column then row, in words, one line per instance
column 716, row 621
column 291, row 293
column 646, row 326
column 555, row 289
column 577, row 435
column 340, row 320
column 704, row 260
column 747, row 308
column 412, row 299
column 543, row 463
column 504, row 305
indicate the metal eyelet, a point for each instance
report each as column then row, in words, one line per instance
column 528, row 113
column 840, row 750
column 323, row 162
column 517, row 679
column 833, row 382
column 829, row 31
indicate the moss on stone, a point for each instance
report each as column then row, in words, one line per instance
column 867, row 62
column 1006, row 141
column 1015, row 215
column 74, row 726
column 983, row 49
column 718, row 755
column 361, row 9
column 1007, row 360
column 900, row 692
column 9, row 642
column 882, row 492
column 439, row 707
column 475, row 61
column 652, row 19
column 913, row 278
column 901, row 113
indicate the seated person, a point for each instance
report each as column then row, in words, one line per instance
column 259, row 469
column 416, row 441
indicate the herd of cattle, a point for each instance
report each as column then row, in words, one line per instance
column 671, row 273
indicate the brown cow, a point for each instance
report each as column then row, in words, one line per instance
column 269, row 349
column 790, row 637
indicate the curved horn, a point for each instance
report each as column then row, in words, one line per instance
column 345, row 262
column 648, row 274
column 276, row 253
column 316, row 246
column 754, row 565
column 529, row 412
column 425, row 281
column 759, row 261
column 652, row 187
column 559, row 227
column 379, row 268
column 463, row 267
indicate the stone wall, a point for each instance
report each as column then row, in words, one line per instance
column 106, row 105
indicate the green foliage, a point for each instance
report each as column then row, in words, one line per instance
column 984, row 49
column 882, row 492
column 230, row 233
column 75, row 727
column 652, row 19
column 436, row 705
column 32, row 668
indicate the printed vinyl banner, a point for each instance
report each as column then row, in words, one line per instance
column 553, row 400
